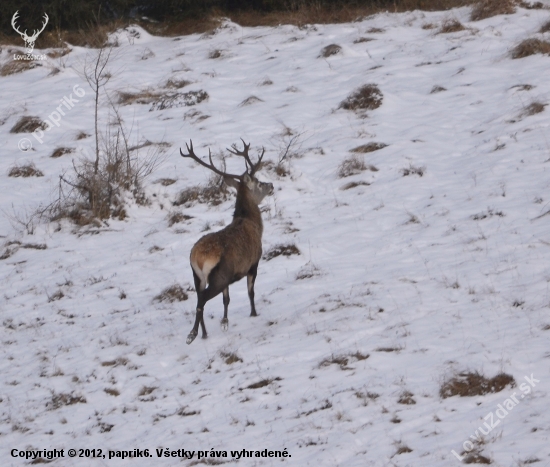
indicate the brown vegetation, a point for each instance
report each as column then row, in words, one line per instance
column 61, row 152
column 174, row 293
column 488, row 8
column 17, row 66
column 27, row 170
column 529, row 47
column 369, row 147
column 474, row 384
column 332, row 49
column 367, row 97
column 281, row 250
column 451, row 25
column 28, row 124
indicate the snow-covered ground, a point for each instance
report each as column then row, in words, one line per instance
column 438, row 263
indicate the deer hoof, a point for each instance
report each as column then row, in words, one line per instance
column 224, row 324
column 191, row 337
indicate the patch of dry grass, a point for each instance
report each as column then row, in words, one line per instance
column 59, row 400
column 61, row 152
column 350, row 185
column 28, row 124
column 369, row 147
column 17, row 66
column 230, row 357
column 174, row 293
column 329, row 50
column 367, row 97
column 533, row 108
column 214, row 193
column 451, row 25
column 354, row 165
column 177, row 217
column 545, row 27
column 26, row 170
column 488, row 8
column 281, row 250
column 474, row 384
column 529, row 47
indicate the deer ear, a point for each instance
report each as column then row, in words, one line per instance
column 230, row 181
column 247, row 178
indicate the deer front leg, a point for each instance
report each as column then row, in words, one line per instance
column 250, row 280
column 225, row 321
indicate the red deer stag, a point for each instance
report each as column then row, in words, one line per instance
column 220, row 258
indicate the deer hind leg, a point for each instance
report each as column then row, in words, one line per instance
column 225, row 321
column 199, row 319
column 250, row 280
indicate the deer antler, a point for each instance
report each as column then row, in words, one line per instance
column 24, row 34
column 35, row 35
column 210, row 166
column 244, row 153
column 13, row 20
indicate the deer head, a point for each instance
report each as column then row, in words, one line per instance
column 258, row 190
column 29, row 40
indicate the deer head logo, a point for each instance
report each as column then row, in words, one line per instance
column 29, row 40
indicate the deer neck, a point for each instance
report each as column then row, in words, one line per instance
column 246, row 207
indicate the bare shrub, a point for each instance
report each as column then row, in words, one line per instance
column 529, row 47
column 367, row 97
column 437, row 89
column 474, row 384
column 488, row 8
column 281, row 250
column 61, row 152
column 174, row 293
column 26, row 170
column 82, row 135
column 28, row 124
column 369, row 147
column 351, row 166
column 97, row 191
column 451, row 25
column 332, row 49
column 288, row 145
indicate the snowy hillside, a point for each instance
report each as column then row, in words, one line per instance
column 424, row 254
